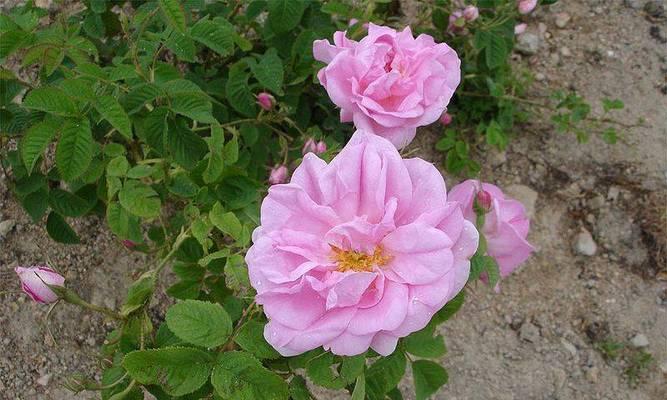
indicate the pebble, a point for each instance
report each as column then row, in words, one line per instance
column 6, row 226
column 524, row 194
column 540, row 77
column 596, row 202
column 565, row 51
column 562, row 19
column 569, row 347
column 529, row 332
column 593, row 374
column 663, row 368
column 613, row 193
column 584, row 243
column 44, row 380
column 640, row 340
column 634, row 4
column 528, row 43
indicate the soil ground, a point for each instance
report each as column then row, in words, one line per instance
column 543, row 336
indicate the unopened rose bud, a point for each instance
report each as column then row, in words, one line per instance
column 309, row 147
column 520, row 28
column 484, row 200
column 526, row 6
column 456, row 21
column 129, row 244
column 352, row 22
column 321, row 147
column 35, row 281
column 266, row 101
column 278, row 175
column 446, row 118
column 470, row 13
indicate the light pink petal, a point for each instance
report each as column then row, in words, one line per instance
column 348, row 344
column 384, row 343
column 386, row 315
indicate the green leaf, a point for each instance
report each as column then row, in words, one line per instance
column 231, row 151
column 69, row 204
column 238, row 92
column 239, row 376
column 51, row 100
column 200, row 323
column 118, row 166
column 428, row 378
column 110, row 110
column 610, row 136
column 186, row 146
column 36, row 203
column 216, row 35
column 60, row 230
column 359, row 392
column 178, row 370
column 137, row 98
column 298, row 390
column 251, row 339
column 320, row 370
column 423, row 344
column 609, row 104
column 451, row 308
column 139, row 199
column 269, row 71
column 122, row 223
column 197, row 107
column 75, row 149
column 182, row 45
column 496, row 51
column 236, row 272
column 172, row 10
column 139, row 293
column 495, row 135
column 36, row 139
column 285, row 15
column 227, row 222
column 384, row 375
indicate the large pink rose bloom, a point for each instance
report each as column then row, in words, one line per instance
column 389, row 83
column 359, row 252
column 505, row 227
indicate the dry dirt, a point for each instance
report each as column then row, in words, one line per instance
column 539, row 338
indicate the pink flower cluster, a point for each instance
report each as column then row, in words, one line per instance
column 390, row 82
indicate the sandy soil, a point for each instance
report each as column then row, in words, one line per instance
column 540, row 337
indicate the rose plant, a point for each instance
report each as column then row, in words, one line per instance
column 208, row 135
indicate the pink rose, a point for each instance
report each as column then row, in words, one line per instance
column 309, row 146
column 470, row 13
column 278, row 175
column 526, row 6
column 389, row 83
column 34, row 282
column 520, row 28
column 506, row 224
column 359, row 252
column 446, row 118
column 266, row 101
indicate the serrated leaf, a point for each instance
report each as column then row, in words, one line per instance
column 227, row 222
column 118, row 166
column 197, row 107
column 186, row 146
column 236, row 272
column 359, row 392
column 178, row 370
column 137, row 98
column 284, row 15
column 36, row 204
column 200, row 323
column 269, row 71
column 320, row 370
column 36, row 139
column 216, row 35
column 172, row 10
column 298, row 389
column 384, row 375
column 59, row 229
column 75, row 149
column 238, row 93
column 449, row 309
column 240, row 376
column 251, row 339
column 68, row 204
column 122, row 223
column 153, row 128
column 428, row 378
column 496, row 51
column 423, row 344
column 110, row 110
column 51, row 100
column 138, row 294
column 139, row 199
column 230, row 152
column 182, row 45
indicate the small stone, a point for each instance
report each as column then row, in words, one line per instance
column 524, row 194
column 569, row 347
column 584, row 243
column 497, row 158
column 529, row 332
column 593, row 374
column 565, row 51
column 634, row 4
column 614, row 191
column 540, row 77
column 542, row 28
column 44, row 380
column 562, row 19
column 596, row 202
column 528, row 43
column 6, row 226
column 663, row 368
column 640, row 340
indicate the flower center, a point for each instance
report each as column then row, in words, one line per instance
column 357, row 261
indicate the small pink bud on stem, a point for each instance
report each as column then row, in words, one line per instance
column 526, row 6
column 35, row 283
column 278, row 175
column 484, row 200
column 266, row 101
column 446, row 118
column 470, row 13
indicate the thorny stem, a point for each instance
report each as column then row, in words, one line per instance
column 177, row 244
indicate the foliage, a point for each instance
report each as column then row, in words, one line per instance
column 146, row 116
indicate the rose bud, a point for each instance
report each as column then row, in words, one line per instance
column 278, row 175
column 309, row 147
column 484, row 200
column 520, row 28
column 446, row 118
column 470, row 13
column 321, row 147
column 456, row 21
column 266, row 101
column 352, row 22
column 35, row 281
column 129, row 244
column 526, row 6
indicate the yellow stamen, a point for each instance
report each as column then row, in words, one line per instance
column 351, row 260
